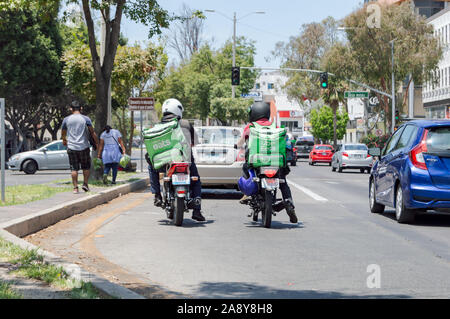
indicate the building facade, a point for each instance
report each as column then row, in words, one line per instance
column 436, row 96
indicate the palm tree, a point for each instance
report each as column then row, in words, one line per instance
column 333, row 96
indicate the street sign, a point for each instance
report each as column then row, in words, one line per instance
column 257, row 96
column 141, row 104
column 356, row 95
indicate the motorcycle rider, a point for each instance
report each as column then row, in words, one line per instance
column 173, row 109
column 259, row 112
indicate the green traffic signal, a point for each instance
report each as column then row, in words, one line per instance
column 324, row 80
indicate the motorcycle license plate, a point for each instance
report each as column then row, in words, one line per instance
column 271, row 183
column 181, row 179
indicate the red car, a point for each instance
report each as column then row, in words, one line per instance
column 321, row 153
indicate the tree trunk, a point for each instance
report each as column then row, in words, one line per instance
column 335, row 107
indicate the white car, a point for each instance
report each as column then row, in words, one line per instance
column 352, row 156
column 218, row 162
column 50, row 156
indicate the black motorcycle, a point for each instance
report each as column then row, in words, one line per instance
column 265, row 201
column 176, row 191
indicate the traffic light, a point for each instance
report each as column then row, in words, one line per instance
column 397, row 116
column 235, row 75
column 324, row 80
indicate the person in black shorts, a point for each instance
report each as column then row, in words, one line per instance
column 75, row 130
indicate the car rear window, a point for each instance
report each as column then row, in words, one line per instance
column 323, row 148
column 355, row 147
column 438, row 140
column 219, row 136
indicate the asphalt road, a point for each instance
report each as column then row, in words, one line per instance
column 335, row 250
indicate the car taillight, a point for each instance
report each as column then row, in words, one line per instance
column 295, row 149
column 269, row 172
column 368, row 155
column 416, row 155
column 345, row 154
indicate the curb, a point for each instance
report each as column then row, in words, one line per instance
column 13, row 230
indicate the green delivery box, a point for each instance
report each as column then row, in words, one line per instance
column 165, row 143
column 267, row 146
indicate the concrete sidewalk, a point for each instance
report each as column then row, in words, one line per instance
column 8, row 213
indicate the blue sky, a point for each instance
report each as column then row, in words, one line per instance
column 282, row 19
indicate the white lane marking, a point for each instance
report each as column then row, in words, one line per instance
column 308, row 192
column 333, row 183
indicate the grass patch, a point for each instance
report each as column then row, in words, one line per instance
column 122, row 178
column 22, row 194
column 30, row 264
column 7, row 293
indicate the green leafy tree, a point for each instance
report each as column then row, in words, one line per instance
column 322, row 124
column 30, row 50
column 368, row 52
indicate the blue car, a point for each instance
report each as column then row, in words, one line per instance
column 413, row 172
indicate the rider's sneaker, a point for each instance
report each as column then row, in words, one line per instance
column 290, row 209
column 245, row 200
column 158, row 200
column 197, row 215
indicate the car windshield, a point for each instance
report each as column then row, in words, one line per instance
column 219, row 136
column 305, row 143
column 355, row 147
column 439, row 140
column 323, row 148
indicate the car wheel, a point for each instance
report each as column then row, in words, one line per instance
column 294, row 163
column 402, row 214
column 329, row 164
column 374, row 206
column 333, row 169
column 340, row 169
column 30, row 167
column 362, row 170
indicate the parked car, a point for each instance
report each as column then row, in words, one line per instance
column 304, row 146
column 413, row 172
column 218, row 162
column 352, row 156
column 50, row 156
column 321, row 153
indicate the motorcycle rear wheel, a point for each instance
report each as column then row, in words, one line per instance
column 178, row 211
column 267, row 212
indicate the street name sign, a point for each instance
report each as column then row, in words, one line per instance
column 356, row 95
column 141, row 104
column 257, row 96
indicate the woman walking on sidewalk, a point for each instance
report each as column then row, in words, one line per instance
column 110, row 151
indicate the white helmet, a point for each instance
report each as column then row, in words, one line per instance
column 173, row 106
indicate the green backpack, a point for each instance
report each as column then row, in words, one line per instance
column 165, row 143
column 267, row 145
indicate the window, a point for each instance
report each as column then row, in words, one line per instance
column 438, row 140
column 258, row 86
column 270, row 86
column 408, row 135
column 392, row 141
column 355, row 147
column 54, row 147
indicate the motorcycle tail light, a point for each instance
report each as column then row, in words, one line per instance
column 270, row 172
column 182, row 168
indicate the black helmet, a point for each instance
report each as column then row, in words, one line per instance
column 258, row 110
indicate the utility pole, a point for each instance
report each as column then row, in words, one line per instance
column 393, row 87
column 233, row 88
column 3, row 155
column 102, row 58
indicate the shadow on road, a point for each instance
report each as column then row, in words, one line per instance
column 424, row 219
column 187, row 223
column 275, row 225
column 249, row 290
column 210, row 193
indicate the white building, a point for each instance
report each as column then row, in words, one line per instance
column 436, row 97
column 289, row 113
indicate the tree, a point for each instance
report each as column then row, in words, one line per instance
column 147, row 12
column 368, row 52
column 186, row 36
column 205, row 77
column 322, row 124
column 305, row 51
column 31, row 67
